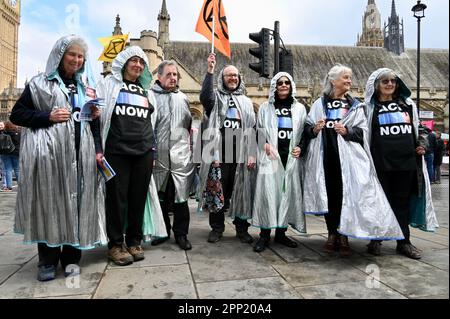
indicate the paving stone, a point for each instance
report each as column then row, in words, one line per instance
column 163, row 282
column 71, row 297
column 442, row 231
column 437, row 258
column 167, row 253
column 411, row 278
column 6, row 227
column 7, row 271
column 300, row 254
column 316, row 243
column 260, row 288
column 445, row 296
column 14, row 251
column 227, row 261
column 271, row 257
column 319, row 273
column 431, row 237
column 24, row 284
column 231, row 270
column 198, row 234
column 349, row 290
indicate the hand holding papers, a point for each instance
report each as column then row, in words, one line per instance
column 106, row 170
column 90, row 107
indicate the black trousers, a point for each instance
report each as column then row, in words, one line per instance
column 333, row 183
column 279, row 232
column 53, row 255
column 181, row 214
column 126, row 195
column 398, row 187
column 217, row 220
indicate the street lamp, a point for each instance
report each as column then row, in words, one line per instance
column 419, row 13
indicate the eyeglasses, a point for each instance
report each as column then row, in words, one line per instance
column 387, row 81
column 280, row 83
column 137, row 60
column 231, row 75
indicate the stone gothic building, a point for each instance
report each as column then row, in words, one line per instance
column 311, row 63
column 394, row 40
column 371, row 27
column 9, row 36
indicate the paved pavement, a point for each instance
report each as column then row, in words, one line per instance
column 231, row 270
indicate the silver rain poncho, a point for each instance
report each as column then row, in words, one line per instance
column 427, row 214
column 57, row 205
column 172, row 131
column 109, row 89
column 366, row 212
column 278, row 194
column 241, row 203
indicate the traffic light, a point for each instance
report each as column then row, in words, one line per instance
column 262, row 52
column 287, row 62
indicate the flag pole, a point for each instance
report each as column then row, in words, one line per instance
column 213, row 32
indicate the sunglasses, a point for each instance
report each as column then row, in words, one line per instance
column 280, row 83
column 387, row 81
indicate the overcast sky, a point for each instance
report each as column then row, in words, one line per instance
column 311, row 22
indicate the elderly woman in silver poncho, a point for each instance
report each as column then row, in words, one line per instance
column 127, row 132
column 340, row 180
column 58, row 203
column 397, row 152
column 278, row 194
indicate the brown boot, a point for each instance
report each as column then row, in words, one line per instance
column 344, row 247
column 330, row 245
column 120, row 256
column 137, row 252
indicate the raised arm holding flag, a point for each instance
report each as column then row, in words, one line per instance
column 212, row 17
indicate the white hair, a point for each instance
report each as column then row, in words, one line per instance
column 333, row 75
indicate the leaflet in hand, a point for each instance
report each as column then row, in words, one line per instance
column 86, row 114
column 107, row 172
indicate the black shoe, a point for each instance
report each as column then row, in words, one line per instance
column 244, row 237
column 183, row 242
column 214, row 236
column 409, row 251
column 159, row 241
column 261, row 245
column 284, row 240
column 374, row 248
column 46, row 273
column 331, row 245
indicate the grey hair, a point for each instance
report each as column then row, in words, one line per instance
column 167, row 63
column 80, row 42
column 332, row 75
column 384, row 75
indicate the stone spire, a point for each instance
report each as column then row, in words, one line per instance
column 393, row 11
column 117, row 31
column 164, row 19
column 394, row 40
column 117, row 28
column 164, row 12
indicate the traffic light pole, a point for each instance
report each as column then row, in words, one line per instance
column 276, row 37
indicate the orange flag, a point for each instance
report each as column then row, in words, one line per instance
column 210, row 9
